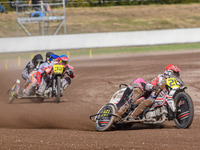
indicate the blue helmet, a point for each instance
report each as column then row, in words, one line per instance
column 52, row 57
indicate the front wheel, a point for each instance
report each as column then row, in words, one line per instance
column 105, row 117
column 185, row 110
column 58, row 86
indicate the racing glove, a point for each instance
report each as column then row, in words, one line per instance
column 70, row 73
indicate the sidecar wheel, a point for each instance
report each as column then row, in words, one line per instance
column 10, row 100
column 11, row 94
column 185, row 110
column 105, row 119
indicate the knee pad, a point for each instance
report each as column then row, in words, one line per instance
column 148, row 102
column 139, row 101
column 68, row 80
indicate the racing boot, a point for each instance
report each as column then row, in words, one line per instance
column 38, row 93
column 140, row 109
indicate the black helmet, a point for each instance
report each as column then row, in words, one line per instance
column 37, row 59
column 48, row 54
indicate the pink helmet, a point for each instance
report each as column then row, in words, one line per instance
column 139, row 80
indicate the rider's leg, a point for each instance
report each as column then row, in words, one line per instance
column 26, row 83
column 137, row 93
column 65, row 83
column 31, row 86
column 139, row 101
column 141, row 108
column 25, row 76
column 124, row 102
column 43, row 86
column 122, row 105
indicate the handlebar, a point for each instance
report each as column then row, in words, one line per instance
column 120, row 86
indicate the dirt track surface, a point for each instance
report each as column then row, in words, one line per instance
column 29, row 125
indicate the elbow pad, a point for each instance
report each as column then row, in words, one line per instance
column 149, row 87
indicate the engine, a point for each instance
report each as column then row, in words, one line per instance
column 156, row 114
column 48, row 92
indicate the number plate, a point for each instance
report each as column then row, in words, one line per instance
column 172, row 82
column 58, row 69
column 106, row 112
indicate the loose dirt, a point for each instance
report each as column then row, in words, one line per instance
column 26, row 124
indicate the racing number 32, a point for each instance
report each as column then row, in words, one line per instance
column 172, row 82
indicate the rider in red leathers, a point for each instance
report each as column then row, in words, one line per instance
column 47, row 68
column 156, row 85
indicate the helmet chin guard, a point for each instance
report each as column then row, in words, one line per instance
column 172, row 70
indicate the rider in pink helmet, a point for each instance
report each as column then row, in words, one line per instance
column 139, row 80
column 133, row 93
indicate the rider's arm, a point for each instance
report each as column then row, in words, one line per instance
column 70, row 72
column 152, row 84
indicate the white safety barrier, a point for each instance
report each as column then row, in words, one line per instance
column 97, row 40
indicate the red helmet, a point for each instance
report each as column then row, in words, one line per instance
column 172, row 70
column 64, row 59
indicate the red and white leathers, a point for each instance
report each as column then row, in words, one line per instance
column 41, row 68
column 155, row 85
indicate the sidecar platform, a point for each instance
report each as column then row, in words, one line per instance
column 30, row 97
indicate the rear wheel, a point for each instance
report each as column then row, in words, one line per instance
column 58, row 86
column 105, row 119
column 185, row 110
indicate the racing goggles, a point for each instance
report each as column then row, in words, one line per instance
column 64, row 62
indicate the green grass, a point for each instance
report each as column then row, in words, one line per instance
column 139, row 49
column 106, row 51
column 113, row 19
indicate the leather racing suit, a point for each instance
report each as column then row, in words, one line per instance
column 155, row 85
column 131, row 95
column 48, row 68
